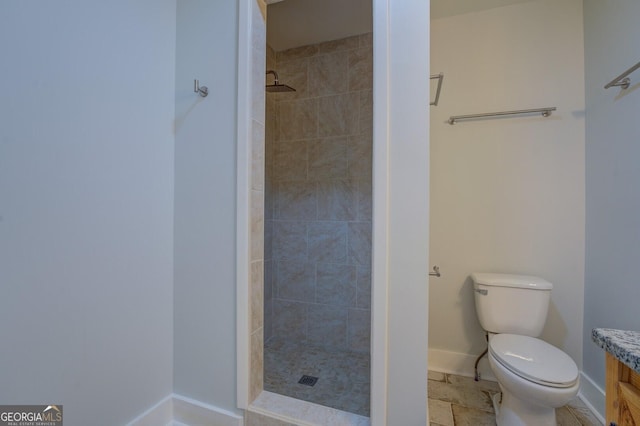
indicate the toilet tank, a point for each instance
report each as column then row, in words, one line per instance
column 515, row 304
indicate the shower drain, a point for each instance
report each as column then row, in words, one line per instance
column 308, row 380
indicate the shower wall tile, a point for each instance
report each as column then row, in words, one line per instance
column 340, row 44
column 268, row 300
column 297, row 53
column 290, row 161
column 256, row 295
column 256, row 197
column 328, row 325
column 336, row 284
column 276, row 119
column 338, row 115
column 257, row 225
column 361, row 69
column 318, row 191
column 290, row 319
column 337, row 200
column 268, row 321
column 294, row 73
column 360, row 156
column 296, row 281
column 257, row 155
column 298, row 119
column 365, row 125
column 328, row 242
column 365, row 39
column 328, row 158
column 295, row 200
column 271, row 55
column 289, row 240
column 364, row 200
column 268, row 205
column 268, row 329
column 359, row 331
column 270, row 122
column 256, row 372
column 268, row 238
column 328, row 74
column 363, row 287
column 268, row 280
column 359, row 247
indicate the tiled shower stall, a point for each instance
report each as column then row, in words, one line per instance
column 318, row 162
column 318, row 195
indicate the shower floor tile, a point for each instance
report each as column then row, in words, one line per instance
column 343, row 376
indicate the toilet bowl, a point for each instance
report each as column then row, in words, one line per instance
column 535, row 378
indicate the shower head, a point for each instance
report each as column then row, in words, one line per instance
column 277, row 86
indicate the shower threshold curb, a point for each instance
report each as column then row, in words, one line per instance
column 303, row 413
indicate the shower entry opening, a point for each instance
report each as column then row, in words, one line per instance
column 317, row 218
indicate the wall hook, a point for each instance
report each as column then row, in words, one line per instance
column 436, row 272
column 202, row 91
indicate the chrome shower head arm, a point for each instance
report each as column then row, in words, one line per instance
column 275, row 75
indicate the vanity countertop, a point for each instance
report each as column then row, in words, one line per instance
column 623, row 345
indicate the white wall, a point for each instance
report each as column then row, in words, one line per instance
column 86, row 201
column 401, row 207
column 612, row 174
column 205, row 215
column 507, row 194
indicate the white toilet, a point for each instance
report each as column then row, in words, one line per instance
column 535, row 377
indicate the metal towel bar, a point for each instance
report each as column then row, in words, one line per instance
column 545, row 113
column 622, row 80
column 440, row 78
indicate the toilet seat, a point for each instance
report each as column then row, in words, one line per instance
column 534, row 360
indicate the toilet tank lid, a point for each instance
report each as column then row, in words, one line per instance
column 510, row 280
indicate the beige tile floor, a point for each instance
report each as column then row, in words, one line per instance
column 461, row 401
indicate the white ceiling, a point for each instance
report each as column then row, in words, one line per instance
column 293, row 23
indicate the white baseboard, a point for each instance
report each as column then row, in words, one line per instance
column 459, row 363
column 160, row 414
column 593, row 396
column 177, row 410
column 192, row 412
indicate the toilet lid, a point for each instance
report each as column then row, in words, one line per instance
column 534, row 360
